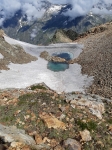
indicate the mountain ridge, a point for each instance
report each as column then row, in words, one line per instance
column 42, row 30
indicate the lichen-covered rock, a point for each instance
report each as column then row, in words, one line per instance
column 85, row 135
column 93, row 104
column 12, row 134
column 96, row 108
column 52, row 122
column 38, row 139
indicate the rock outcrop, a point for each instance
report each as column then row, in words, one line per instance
column 94, row 105
column 60, row 37
column 45, row 55
column 14, row 136
column 64, row 36
column 12, row 53
column 52, row 121
column 2, row 33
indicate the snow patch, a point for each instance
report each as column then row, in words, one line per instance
column 1, row 56
column 54, row 9
column 23, row 75
column 20, row 22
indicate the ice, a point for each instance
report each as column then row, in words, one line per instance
column 24, row 75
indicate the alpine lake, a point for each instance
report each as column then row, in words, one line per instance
column 60, row 66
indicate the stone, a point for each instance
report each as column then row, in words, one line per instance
column 62, row 116
column 100, row 143
column 58, row 147
column 85, row 135
column 46, row 140
column 38, row 139
column 12, row 134
column 95, row 107
column 26, row 117
column 26, row 148
column 19, row 146
column 42, row 147
column 72, row 144
column 16, row 144
column 52, row 122
column 57, row 59
column 110, row 129
column 17, row 112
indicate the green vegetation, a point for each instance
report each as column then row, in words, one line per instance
column 90, row 125
column 38, row 87
column 25, row 114
column 59, row 134
column 109, row 121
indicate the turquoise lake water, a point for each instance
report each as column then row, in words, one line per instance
column 57, row 66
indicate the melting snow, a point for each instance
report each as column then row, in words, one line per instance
column 1, row 56
column 21, row 76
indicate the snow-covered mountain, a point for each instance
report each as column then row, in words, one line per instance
column 40, row 31
column 102, row 5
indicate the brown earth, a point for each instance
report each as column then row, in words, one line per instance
column 96, row 59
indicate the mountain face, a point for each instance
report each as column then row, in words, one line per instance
column 41, row 31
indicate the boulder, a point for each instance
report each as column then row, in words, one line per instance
column 85, row 135
column 51, row 121
column 95, row 107
column 12, row 134
column 72, row 144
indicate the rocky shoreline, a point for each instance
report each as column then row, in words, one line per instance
column 45, row 55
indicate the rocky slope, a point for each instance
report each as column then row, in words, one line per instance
column 52, row 121
column 64, row 36
column 12, row 53
column 96, row 58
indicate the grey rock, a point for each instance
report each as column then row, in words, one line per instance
column 12, row 134
column 72, row 144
